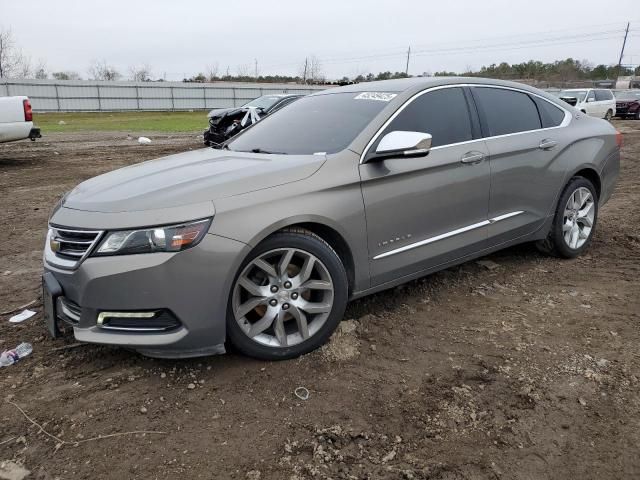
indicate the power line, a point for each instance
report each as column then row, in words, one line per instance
column 400, row 51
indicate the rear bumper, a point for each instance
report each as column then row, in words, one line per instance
column 609, row 176
column 192, row 285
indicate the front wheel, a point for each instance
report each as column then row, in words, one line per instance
column 609, row 115
column 288, row 297
column 575, row 220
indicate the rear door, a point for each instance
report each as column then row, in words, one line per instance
column 424, row 211
column 524, row 139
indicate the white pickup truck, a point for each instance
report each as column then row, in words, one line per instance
column 16, row 120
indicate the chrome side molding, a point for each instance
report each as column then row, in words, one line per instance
column 452, row 233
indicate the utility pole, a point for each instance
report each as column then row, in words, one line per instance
column 406, row 70
column 256, row 69
column 624, row 43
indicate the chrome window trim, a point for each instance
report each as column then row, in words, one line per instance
column 564, row 123
column 452, row 233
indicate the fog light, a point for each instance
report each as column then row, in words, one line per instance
column 155, row 321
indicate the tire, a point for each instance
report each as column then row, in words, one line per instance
column 291, row 320
column 609, row 115
column 560, row 241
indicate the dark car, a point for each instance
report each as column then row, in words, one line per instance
column 224, row 123
column 628, row 104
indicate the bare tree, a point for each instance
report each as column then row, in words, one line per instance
column 140, row 73
column 68, row 75
column 242, row 70
column 11, row 58
column 100, row 70
column 212, row 71
column 304, row 70
column 24, row 66
column 315, row 72
column 40, row 70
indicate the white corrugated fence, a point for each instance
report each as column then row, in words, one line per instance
column 88, row 95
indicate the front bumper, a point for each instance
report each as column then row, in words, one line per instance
column 193, row 285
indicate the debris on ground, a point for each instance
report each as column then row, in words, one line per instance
column 144, row 140
column 302, row 393
column 488, row 264
column 12, row 471
column 22, row 316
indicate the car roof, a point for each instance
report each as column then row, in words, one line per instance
column 282, row 95
column 410, row 85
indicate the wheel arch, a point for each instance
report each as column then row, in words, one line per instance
column 327, row 231
column 592, row 175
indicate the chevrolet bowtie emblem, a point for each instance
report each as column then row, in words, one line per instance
column 54, row 245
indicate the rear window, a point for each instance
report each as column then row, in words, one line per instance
column 325, row 123
column 551, row 115
column 506, row 111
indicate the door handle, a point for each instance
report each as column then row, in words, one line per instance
column 472, row 157
column 547, row 144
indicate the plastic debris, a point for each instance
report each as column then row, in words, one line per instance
column 13, row 471
column 22, row 316
column 9, row 357
column 302, row 393
column 144, row 140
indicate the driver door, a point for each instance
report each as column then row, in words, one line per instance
column 425, row 211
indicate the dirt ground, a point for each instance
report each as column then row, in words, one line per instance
column 526, row 369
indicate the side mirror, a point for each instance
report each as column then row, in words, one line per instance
column 591, row 99
column 405, row 144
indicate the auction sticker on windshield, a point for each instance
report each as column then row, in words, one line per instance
column 380, row 96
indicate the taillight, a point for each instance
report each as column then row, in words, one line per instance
column 28, row 112
column 619, row 139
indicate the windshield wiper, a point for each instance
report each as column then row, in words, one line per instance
column 260, row 150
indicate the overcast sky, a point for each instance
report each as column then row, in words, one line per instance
column 180, row 38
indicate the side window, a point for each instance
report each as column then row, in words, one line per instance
column 602, row 95
column 442, row 113
column 506, row 111
column 592, row 96
column 551, row 115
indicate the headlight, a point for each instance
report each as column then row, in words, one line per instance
column 173, row 238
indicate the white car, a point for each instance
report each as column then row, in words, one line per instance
column 595, row 102
column 16, row 119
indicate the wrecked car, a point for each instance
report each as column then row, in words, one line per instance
column 224, row 123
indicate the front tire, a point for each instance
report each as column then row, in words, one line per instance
column 288, row 297
column 574, row 222
column 609, row 115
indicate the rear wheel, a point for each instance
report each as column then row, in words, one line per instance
column 609, row 115
column 575, row 220
column 288, row 297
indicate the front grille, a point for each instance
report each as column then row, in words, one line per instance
column 66, row 247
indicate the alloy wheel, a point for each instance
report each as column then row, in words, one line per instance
column 579, row 215
column 283, row 297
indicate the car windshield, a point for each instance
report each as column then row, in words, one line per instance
column 265, row 102
column 578, row 94
column 325, row 123
column 627, row 95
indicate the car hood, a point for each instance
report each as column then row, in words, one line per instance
column 218, row 112
column 188, row 178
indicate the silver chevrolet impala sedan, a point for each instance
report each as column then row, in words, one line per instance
column 344, row 193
